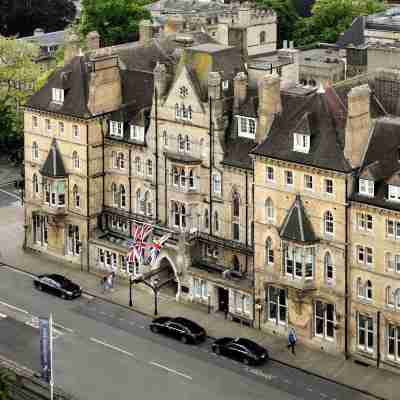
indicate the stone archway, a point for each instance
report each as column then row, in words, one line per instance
column 168, row 271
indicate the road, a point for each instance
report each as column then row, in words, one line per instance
column 9, row 196
column 104, row 351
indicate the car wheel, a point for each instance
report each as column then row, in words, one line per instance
column 217, row 350
column 246, row 361
column 39, row 286
column 184, row 339
column 154, row 329
column 64, row 296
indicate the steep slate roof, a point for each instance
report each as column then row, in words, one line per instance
column 53, row 167
column 354, row 35
column 326, row 144
column 237, row 152
column 381, row 162
column 296, row 225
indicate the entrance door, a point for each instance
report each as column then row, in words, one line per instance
column 223, row 299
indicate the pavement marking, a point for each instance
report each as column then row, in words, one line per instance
column 309, row 389
column 63, row 327
column 171, row 370
column 3, row 316
column 142, row 326
column 287, row 381
column 14, row 308
column 110, row 346
column 18, row 271
column 10, row 194
column 87, row 296
column 323, row 395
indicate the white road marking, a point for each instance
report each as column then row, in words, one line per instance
column 10, row 194
column 323, row 395
column 18, row 271
column 63, row 327
column 110, row 346
column 286, row 381
column 309, row 389
column 142, row 326
column 13, row 307
column 3, row 315
column 171, row 370
column 87, row 296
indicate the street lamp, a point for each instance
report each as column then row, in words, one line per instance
column 259, row 308
column 155, row 289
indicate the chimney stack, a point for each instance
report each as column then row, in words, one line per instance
column 145, row 31
column 93, row 41
column 239, row 90
column 160, row 80
column 71, row 48
column 358, row 124
column 269, row 103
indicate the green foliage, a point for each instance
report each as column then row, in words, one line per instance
column 116, row 21
column 287, row 17
column 330, row 18
column 3, row 385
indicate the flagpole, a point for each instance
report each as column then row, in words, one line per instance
column 51, row 357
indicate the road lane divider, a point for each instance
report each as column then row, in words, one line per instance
column 173, row 371
column 14, row 307
column 110, row 346
column 2, row 316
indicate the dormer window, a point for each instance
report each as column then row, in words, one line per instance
column 116, row 128
column 366, row 187
column 225, row 85
column 246, row 127
column 394, row 193
column 137, row 133
column 58, row 96
column 301, row 142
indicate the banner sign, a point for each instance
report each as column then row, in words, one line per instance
column 45, row 350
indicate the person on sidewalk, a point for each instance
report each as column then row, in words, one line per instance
column 292, row 339
column 103, row 284
column 110, row 282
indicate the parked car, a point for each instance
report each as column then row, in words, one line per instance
column 58, row 285
column 179, row 328
column 241, row 349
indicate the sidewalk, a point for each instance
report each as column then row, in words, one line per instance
column 380, row 383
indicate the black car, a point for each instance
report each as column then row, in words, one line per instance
column 241, row 349
column 180, row 328
column 58, row 285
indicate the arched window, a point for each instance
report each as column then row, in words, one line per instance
column 236, row 204
column 360, row 288
column 183, row 216
column 147, row 201
column 165, row 138
column 138, row 165
column 262, row 37
column 75, row 160
column 389, row 297
column 76, row 196
column 35, row 151
column 269, row 210
column 236, row 263
column 35, row 184
column 206, row 219
column 187, row 143
column 121, row 161
column 176, row 214
column 216, row 221
column 191, row 180
column 328, row 267
column 177, row 111
column 149, row 167
column 368, row 290
column 269, row 252
column 114, row 194
column 189, row 112
column 181, row 143
column 183, row 177
column 328, row 223
column 175, row 176
column 216, row 183
column 138, row 198
column 122, row 193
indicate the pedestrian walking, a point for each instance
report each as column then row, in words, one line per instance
column 110, row 282
column 112, row 279
column 292, row 339
column 103, row 284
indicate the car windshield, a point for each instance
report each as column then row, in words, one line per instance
column 59, row 279
column 189, row 324
column 249, row 345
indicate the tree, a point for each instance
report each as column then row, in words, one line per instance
column 22, row 17
column 330, row 18
column 287, row 17
column 18, row 75
column 116, row 21
column 3, row 385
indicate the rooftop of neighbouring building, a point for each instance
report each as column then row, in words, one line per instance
column 321, row 58
column 44, row 39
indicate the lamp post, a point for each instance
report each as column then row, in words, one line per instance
column 155, row 289
column 25, row 236
column 130, row 290
column 79, row 243
column 259, row 308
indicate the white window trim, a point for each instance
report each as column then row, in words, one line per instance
column 58, row 95
column 304, row 147
column 116, row 128
column 365, row 347
column 394, row 193
column 285, row 174
column 312, row 182
column 267, row 178
column 366, row 187
column 246, row 133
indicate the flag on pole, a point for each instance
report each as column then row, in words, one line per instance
column 137, row 245
column 156, row 249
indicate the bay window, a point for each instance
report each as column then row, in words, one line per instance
column 55, row 193
column 299, row 261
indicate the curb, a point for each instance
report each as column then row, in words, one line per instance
column 308, row 372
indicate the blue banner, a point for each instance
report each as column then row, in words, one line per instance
column 45, row 351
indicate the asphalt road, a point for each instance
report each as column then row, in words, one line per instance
column 9, row 196
column 104, row 351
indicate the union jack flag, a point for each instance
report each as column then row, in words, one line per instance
column 156, row 249
column 137, row 245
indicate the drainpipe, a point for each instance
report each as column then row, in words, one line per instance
column 252, row 245
column 211, row 164
column 165, row 189
column 88, row 197
column 346, row 277
column 156, row 153
column 130, row 181
column 378, row 339
column 103, row 156
column 247, row 216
